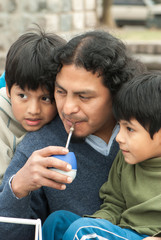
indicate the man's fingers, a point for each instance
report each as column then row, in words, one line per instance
column 55, row 185
column 56, row 176
column 51, row 150
column 57, row 163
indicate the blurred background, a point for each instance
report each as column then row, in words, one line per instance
column 136, row 22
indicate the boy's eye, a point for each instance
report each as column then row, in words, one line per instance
column 21, row 95
column 46, row 99
column 130, row 129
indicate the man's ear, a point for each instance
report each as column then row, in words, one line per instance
column 7, row 92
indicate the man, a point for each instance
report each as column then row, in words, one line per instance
column 91, row 69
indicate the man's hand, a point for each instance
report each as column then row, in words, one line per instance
column 35, row 172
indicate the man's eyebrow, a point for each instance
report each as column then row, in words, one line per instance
column 86, row 91
column 57, row 85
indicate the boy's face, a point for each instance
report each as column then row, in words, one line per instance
column 32, row 109
column 82, row 99
column 136, row 143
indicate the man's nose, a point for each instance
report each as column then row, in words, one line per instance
column 70, row 106
column 34, row 107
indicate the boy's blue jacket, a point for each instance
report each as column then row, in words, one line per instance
column 2, row 80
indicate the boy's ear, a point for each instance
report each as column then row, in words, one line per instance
column 7, row 92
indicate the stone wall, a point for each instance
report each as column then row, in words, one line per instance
column 64, row 17
column 149, row 52
column 61, row 16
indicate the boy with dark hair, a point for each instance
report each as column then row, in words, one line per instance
column 132, row 197
column 27, row 103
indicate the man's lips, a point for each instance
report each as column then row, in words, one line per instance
column 69, row 122
column 32, row 122
column 73, row 121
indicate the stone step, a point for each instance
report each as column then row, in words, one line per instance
column 145, row 47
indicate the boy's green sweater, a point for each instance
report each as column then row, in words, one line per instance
column 132, row 196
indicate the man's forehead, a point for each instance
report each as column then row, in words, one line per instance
column 74, row 76
column 78, row 80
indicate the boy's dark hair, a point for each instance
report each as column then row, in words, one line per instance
column 27, row 60
column 140, row 99
column 100, row 52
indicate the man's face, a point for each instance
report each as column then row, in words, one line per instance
column 82, row 99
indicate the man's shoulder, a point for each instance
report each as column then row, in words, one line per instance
column 50, row 134
column 51, row 128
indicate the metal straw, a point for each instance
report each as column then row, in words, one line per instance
column 69, row 136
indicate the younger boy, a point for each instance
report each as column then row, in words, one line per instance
column 132, row 194
column 27, row 103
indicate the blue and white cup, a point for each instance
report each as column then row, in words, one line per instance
column 71, row 159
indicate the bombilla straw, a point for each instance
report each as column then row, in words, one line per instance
column 69, row 136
